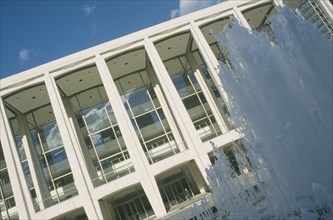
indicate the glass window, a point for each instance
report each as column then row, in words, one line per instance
column 52, row 157
column 147, row 119
column 102, row 136
column 176, row 188
column 182, row 85
column 210, row 82
column 7, row 201
column 139, row 101
column 147, row 116
column 50, row 136
column 134, row 205
column 96, row 117
column 23, row 158
column 193, row 99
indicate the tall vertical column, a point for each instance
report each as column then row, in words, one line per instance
column 280, row 2
column 80, row 175
column 165, row 108
column 240, row 18
column 177, row 108
column 133, row 145
column 326, row 6
column 41, row 188
column 196, row 69
column 16, row 175
column 209, row 58
column 87, row 162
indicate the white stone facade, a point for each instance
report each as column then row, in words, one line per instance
column 122, row 130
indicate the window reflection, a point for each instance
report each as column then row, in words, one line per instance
column 147, row 116
column 139, row 101
column 96, row 117
column 103, row 139
column 193, row 99
column 23, row 159
column 8, row 208
column 50, row 136
column 210, row 82
column 133, row 205
column 52, row 158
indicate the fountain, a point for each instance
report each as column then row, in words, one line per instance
column 280, row 97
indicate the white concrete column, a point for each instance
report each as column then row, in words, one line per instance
column 41, row 188
column 106, row 213
column 80, row 174
column 132, row 142
column 20, row 190
column 196, row 69
column 240, row 18
column 278, row 3
column 208, row 56
column 82, row 150
column 176, row 106
column 198, row 179
column 180, row 142
column 327, row 7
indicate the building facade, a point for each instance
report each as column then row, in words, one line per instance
column 319, row 13
column 123, row 130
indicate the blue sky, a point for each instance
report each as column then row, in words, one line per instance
column 37, row 32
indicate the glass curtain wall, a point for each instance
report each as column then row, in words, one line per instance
column 220, row 54
column 193, row 97
column 147, row 116
column 7, row 201
column 211, row 84
column 24, row 162
column 31, row 117
column 237, row 157
column 102, row 135
column 177, row 187
column 51, row 155
column 133, row 206
column 211, row 32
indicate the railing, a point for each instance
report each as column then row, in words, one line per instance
column 58, row 195
column 9, row 213
column 310, row 10
column 163, row 151
column 113, row 172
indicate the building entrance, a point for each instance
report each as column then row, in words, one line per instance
column 132, row 206
column 177, row 188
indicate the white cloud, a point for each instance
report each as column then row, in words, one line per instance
column 174, row 13
column 24, row 55
column 89, row 9
column 93, row 29
column 94, row 117
column 188, row 6
column 53, row 139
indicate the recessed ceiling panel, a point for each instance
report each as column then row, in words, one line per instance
column 127, row 63
column 173, row 66
column 215, row 27
column 131, row 82
column 174, row 46
column 44, row 115
column 89, row 98
column 28, row 99
column 256, row 16
column 79, row 80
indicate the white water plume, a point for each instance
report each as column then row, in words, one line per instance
column 280, row 97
